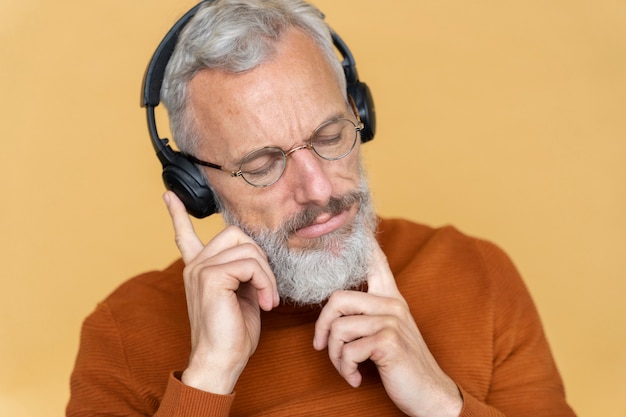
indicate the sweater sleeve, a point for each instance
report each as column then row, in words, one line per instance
column 181, row 400
column 525, row 380
column 102, row 382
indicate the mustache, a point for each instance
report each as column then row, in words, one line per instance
column 308, row 216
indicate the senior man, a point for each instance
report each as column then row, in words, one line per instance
column 306, row 303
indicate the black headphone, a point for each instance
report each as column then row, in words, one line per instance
column 182, row 176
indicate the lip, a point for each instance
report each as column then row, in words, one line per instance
column 324, row 224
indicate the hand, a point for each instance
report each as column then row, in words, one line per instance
column 226, row 283
column 378, row 325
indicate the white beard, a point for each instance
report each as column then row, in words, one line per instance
column 336, row 261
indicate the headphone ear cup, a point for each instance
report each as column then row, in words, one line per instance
column 186, row 181
column 364, row 103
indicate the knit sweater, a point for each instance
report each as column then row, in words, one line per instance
column 467, row 298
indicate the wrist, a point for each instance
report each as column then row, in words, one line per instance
column 451, row 404
column 221, row 383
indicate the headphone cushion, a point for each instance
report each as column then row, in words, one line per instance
column 190, row 186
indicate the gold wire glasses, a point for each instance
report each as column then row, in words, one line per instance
column 263, row 167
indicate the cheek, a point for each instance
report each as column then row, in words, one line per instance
column 256, row 208
column 232, row 192
column 347, row 171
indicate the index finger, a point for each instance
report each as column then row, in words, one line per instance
column 380, row 279
column 188, row 243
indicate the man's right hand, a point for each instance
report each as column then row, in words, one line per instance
column 226, row 283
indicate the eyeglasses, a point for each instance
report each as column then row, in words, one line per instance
column 263, row 167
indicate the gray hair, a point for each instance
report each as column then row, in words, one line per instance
column 235, row 36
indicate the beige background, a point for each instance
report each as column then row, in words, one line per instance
column 507, row 119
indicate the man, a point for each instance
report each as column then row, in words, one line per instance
column 305, row 304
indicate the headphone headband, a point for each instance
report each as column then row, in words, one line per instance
column 182, row 176
column 153, row 79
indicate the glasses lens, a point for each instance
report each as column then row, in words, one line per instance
column 263, row 167
column 335, row 139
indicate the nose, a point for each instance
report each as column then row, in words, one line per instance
column 308, row 177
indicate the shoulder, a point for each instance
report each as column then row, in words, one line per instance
column 444, row 259
column 154, row 298
column 146, row 311
column 150, row 287
column 394, row 230
column 404, row 241
column 131, row 342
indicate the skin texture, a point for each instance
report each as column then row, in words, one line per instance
column 229, row 280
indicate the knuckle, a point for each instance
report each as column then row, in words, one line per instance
column 197, row 274
column 337, row 296
column 396, row 307
column 191, row 273
column 390, row 322
column 388, row 341
column 349, row 351
column 336, row 328
column 250, row 249
column 236, row 234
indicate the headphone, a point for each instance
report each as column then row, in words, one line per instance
column 182, row 176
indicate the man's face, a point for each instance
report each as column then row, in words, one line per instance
column 280, row 103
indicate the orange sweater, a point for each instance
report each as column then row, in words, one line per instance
column 467, row 299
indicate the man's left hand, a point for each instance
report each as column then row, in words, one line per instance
column 378, row 325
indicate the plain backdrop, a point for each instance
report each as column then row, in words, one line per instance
column 504, row 118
